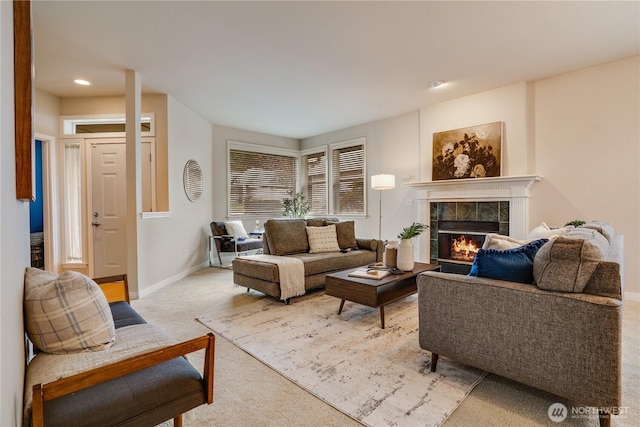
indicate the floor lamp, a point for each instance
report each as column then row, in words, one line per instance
column 382, row 182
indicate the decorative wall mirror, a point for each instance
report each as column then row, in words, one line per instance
column 192, row 178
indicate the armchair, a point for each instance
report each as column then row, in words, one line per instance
column 221, row 241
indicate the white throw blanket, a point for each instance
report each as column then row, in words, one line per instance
column 130, row 341
column 291, row 272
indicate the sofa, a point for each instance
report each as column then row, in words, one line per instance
column 560, row 333
column 289, row 238
column 99, row 362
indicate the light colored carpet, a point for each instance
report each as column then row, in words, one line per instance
column 380, row 377
column 249, row 393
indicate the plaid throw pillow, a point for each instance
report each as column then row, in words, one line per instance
column 66, row 313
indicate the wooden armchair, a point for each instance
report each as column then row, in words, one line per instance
column 174, row 386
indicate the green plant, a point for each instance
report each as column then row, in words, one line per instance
column 295, row 206
column 412, row 231
column 576, row 223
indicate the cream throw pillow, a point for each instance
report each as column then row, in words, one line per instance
column 502, row 242
column 236, row 229
column 323, row 239
column 543, row 231
column 66, row 313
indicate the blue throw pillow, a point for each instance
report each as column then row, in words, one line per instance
column 513, row 265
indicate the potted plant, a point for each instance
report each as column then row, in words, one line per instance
column 405, row 249
column 295, row 206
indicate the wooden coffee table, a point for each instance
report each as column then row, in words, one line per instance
column 372, row 292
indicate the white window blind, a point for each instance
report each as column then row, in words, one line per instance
column 313, row 177
column 348, row 178
column 259, row 180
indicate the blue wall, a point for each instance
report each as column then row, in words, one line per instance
column 36, row 210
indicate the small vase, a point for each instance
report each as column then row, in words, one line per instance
column 405, row 255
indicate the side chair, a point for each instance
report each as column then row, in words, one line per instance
column 221, row 241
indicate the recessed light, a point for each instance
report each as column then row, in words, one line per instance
column 82, row 82
column 436, row 83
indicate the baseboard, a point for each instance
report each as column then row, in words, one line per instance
column 632, row 296
column 166, row 282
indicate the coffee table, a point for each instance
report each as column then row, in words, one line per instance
column 373, row 292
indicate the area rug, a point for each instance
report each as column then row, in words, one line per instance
column 380, row 377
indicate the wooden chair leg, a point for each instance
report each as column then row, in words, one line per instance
column 177, row 421
column 434, row 361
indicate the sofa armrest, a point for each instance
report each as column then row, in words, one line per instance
column 371, row 245
column 83, row 380
column 568, row 344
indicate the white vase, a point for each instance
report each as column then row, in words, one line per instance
column 405, row 255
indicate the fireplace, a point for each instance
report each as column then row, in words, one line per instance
column 458, row 230
column 459, row 241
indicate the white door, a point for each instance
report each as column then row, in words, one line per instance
column 108, row 210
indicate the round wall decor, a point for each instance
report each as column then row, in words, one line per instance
column 192, row 178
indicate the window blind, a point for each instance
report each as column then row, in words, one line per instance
column 313, row 177
column 259, row 181
column 348, row 179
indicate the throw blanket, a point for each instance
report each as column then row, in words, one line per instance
column 130, row 341
column 291, row 272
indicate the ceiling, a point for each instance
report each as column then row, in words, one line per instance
column 299, row 69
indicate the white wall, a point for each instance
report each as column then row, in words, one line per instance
column 221, row 135
column 172, row 247
column 392, row 147
column 588, row 149
column 14, row 240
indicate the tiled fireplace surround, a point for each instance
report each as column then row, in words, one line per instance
column 504, row 200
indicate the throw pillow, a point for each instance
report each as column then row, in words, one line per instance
column 513, row 265
column 236, row 229
column 323, row 239
column 286, row 236
column 346, row 234
column 568, row 262
column 315, row 222
column 602, row 227
column 66, row 313
column 543, row 231
column 502, row 242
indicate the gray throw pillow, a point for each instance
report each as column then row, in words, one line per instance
column 568, row 262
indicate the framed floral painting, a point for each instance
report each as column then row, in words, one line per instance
column 472, row 152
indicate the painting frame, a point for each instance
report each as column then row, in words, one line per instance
column 469, row 152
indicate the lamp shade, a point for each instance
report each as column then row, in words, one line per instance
column 383, row 181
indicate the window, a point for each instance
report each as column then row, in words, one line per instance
column 313, row 181
column 348, row 177
column 73, row 202
column 260, row 178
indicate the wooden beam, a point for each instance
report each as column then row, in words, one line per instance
column 23, row 88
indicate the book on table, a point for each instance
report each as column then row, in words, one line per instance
column 369, row 273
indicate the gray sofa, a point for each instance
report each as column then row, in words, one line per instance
column 288, row 237
column 561, row 334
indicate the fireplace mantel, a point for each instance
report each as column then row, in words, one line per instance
column 514, row 189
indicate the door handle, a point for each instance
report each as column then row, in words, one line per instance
column 95, row 222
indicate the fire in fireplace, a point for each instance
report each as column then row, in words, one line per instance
column 464, row 249
column 459, row 241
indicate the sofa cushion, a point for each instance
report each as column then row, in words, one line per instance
column 567, row 263
column 601, row 227
column 346, row 234
column 323, row 239
column 66, row 313
column 543, row 231
column 513, row 265
column 287, row 236
column 236, row 229
column 315, row 222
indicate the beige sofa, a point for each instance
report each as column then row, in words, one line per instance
column 288, row 237
column 561, row 335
